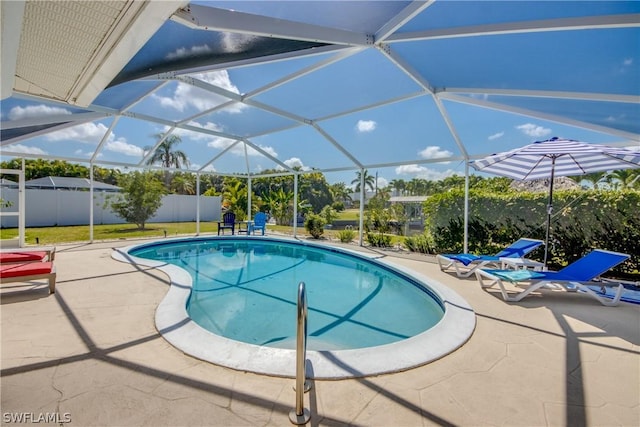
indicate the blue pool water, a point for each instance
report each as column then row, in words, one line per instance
column 246, row 290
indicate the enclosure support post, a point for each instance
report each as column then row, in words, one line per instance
column 198, row 196
column 295, row 204
column 466, row 208
column 91, row 202
column 22, row 205
column 361, row 221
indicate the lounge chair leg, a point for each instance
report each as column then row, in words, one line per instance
column 52, row 284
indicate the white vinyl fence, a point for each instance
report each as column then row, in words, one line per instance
column 61, row 207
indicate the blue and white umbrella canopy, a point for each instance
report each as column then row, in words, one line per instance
column 556, row 157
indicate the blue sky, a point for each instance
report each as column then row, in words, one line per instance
column 410, row 136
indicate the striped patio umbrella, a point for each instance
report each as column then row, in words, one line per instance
column 557, row 157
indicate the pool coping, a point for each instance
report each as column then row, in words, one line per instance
column 174, row 324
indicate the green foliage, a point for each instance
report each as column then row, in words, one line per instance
column 329, row 214
column 346, row 236
column 279, row 204
column 314, row 224
column 40, row 168
column 235, row 198
column 421, row 243
column 379, row 240
column 582, row 221
column 141, row 197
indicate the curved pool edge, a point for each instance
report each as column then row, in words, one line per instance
column 174, row 324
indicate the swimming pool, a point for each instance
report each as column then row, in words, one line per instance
column 233, row 302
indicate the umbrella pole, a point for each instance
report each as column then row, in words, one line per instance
column 549, row 210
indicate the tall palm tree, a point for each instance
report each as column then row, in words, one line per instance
column 168, row 156
column 369, row 180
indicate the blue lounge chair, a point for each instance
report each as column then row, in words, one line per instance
column 228, row 222
column 259, row 222
column 466, row 264
column 577, row 276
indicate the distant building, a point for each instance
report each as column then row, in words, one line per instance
column 412, row 206
column 69, row 184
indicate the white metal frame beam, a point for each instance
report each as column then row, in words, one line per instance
column 563, row 24
column 213, row 19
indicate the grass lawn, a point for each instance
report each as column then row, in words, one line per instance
column 349, row 214
column 80, row 233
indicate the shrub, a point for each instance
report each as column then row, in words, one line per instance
column 328, row 214
column 582, row 221
column 421, row 243
column 379, row 240
column 338, row 206
column 140, row 198
column 314, row 224
column 346, row 236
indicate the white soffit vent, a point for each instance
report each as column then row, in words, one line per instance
column 70, row 50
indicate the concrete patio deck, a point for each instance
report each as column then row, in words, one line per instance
column 90, row 355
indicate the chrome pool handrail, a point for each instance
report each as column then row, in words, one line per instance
column 301, row 415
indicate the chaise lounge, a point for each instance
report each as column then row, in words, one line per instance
column 466, row 264
column 19, row 256
column 574, row 277
column 26, row 272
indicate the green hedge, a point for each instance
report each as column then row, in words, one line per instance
column 582, row 220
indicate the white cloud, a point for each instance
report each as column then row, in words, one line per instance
column 366, row 125
column 496, row 136
column 294, row 162
column 92, row 133
column 186, row 96
column 209, row 168
column 88, row 133
column 416, row 171
column 220, row 143
column 234, row 42
column 627, row 62
column 83, row 153
column 532, row 130
column 19, row 148
column 184, row 53
column 434, row 152
column 382, row 182
column 18, row 113
column 121, row 146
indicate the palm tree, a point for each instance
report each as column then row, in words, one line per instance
column 625, row 177
column 369, row 180
column 167, row 156
column 183, row 184
column 235, row 197
column 398, row 185
column 594, row 178
column 340, row 192
column 280, row 205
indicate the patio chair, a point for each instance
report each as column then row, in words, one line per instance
column 259, row 222
column 577, row 276
column 19, row 256
column 466, row 264
column 26, row 272
column 228, row 222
